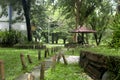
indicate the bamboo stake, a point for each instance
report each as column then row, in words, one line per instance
column 42, row 70
column 23, row 61
column 2, row 72
column 64, row 59
column 29, row 58
column 53, row 62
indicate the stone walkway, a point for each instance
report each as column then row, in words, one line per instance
column 71, row 59
column 36, row 71
column 48, row 62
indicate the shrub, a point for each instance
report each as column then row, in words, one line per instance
column 116, row 32
column 30, row 45
column 115, row 40
column 9, row 38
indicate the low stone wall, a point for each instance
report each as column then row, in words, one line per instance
column 96, row 65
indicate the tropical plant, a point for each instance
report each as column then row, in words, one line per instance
column 100, row 19
column 115, row 42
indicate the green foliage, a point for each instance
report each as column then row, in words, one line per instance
column 29, row 45
column 115, row 42
column 99, row 20
column 9, row 38
column 66, row 72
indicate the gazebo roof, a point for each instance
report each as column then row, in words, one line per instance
column 83, row 29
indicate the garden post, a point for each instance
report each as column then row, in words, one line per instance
column 53, row 62
column 29, row 58
column 58, row 58
column 23, row 61
column 64, row 59
column 2, row 74
column 42, row 70
column 39, row 55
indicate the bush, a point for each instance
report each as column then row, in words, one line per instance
column 115, row 40
column 116, row 32
column 30, row 45
column 9, row 38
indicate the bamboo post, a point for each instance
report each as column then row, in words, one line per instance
column 53, row 62
column 29, row 59
column 39, row 55
column 58, row 58
column 42, row 70
column 2, row 74
column 23, row 61
column 64, row 59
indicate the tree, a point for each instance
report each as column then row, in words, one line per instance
column 26, row 7
column 115, row 26
column 77, row 9
column 99, row 20
column 15, row 4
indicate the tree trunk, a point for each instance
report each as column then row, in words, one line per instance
column 98, row 38
column 26, row 8
column 64, row 40
column 77, row 15
column 52, row 38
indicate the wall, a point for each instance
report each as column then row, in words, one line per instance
column 96, row 64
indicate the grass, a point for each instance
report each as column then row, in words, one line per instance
column 66, row 72
column 12, row 63
column 13, row 68
column 104, row 50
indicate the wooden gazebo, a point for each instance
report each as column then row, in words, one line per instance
column 82, row 30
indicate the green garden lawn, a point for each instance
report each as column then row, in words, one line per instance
column 66, row 72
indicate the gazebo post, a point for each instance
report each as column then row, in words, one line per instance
column 82, row 38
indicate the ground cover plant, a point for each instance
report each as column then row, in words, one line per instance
column 12, row 63
column 66, row 72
